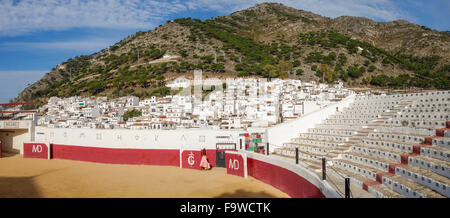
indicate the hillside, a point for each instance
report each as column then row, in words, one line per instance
column 267, row 40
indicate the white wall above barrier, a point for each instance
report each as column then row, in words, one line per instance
column 141, row 139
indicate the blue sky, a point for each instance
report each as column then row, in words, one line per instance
column 37, row 35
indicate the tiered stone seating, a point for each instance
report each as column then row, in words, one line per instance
column 417, row 139
column 393, row 145
column 389, row 144
column 346, row 132
column 378, row 152
column 323, row 137
column 407, row 130
column 438, row 166
column 407, row 188
column 425, row 178
column 423, row 115
column 443, row 142
column 436, row 152
column 378, row 190
column 425, row 123
column 334, row 126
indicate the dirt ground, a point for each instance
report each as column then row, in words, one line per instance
column 37, row 178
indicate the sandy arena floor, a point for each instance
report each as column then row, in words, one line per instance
column 37, row 178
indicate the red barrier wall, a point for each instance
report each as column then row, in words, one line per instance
column 117, row 155
column 282, row 179
column 190, row 159
column 125, row 155
column 235, row 164
column 35, row 150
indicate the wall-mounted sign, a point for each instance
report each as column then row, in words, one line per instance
column 10, row 125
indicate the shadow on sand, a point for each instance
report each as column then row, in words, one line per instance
column 21, row 187
column 18, row 187
column 6, row 154
column 240, row 193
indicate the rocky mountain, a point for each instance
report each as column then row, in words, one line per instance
column 267, row 40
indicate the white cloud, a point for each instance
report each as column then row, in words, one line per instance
column 24, row 16
column 33, row 15
column 84, row 45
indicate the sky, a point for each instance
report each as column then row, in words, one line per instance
column 37, row 35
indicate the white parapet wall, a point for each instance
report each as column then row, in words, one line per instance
column 137, row 139
column 281, row 133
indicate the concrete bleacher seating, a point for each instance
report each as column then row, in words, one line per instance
column 392, row 145
column 438, row 166
column 442, row 142
column 436, row 152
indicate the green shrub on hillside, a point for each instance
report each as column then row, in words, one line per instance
column 131, row 113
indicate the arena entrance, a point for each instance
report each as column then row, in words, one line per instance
column 16, row 126
column 220, row 152
column 12, row 139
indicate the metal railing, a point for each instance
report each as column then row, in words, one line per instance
column 346, row 193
